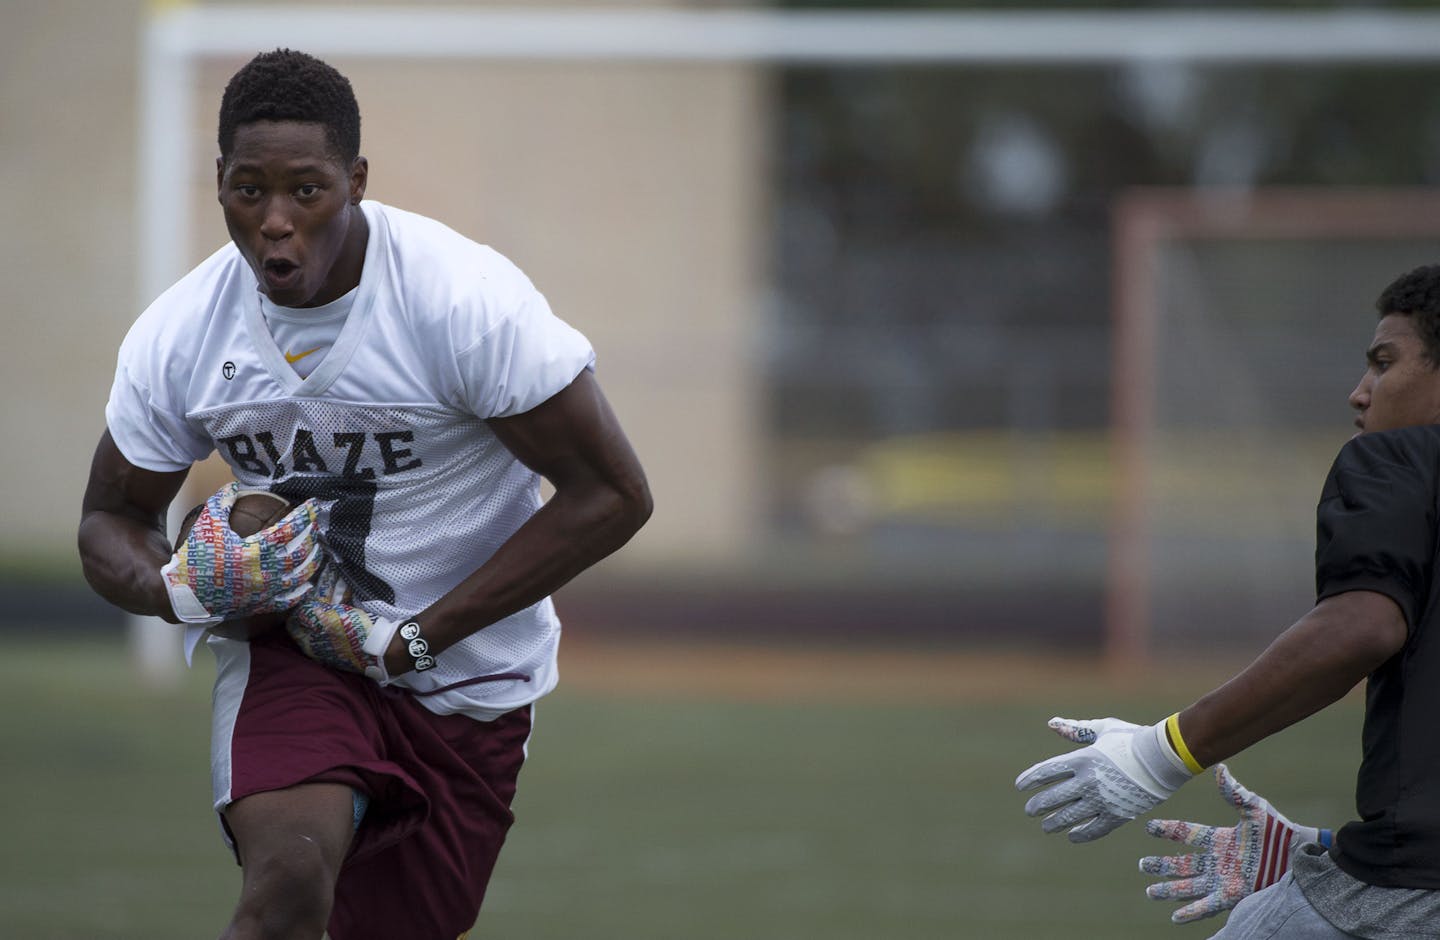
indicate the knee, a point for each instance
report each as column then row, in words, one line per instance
column 286, row 895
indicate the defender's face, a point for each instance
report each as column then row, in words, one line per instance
column 1400, row 388
column 293, row 209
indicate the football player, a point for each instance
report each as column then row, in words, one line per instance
column 1376, row 618
column 407, row 388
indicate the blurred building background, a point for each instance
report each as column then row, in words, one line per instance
column 915, row 350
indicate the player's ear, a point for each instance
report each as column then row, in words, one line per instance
column 359, row 175
column 219, row 176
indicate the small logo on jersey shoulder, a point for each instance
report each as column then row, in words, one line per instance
column 228, row 370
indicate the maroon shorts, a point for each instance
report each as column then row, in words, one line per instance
column 440, row 786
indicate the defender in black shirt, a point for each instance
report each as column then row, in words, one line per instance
column 1377, row 533
column 1375, row 618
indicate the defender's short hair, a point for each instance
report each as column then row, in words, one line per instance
column 286, row 85
column 1416, row 294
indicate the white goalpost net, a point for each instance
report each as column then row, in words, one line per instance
column 1241, row 320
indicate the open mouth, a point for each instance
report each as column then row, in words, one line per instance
column 280, row 272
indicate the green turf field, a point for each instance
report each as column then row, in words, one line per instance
column 696, row 817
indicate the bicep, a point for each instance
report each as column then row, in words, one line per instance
column 1360, row 628
column 119, row 487
column 573, row 439
column 122, row 530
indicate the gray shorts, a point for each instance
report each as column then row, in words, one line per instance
column 1280, row 912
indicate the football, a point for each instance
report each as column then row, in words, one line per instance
column 253, row 510
column 257, row 509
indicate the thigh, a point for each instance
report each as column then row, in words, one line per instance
column 291, row 844
column 430, row 884
column 315, row 820
column 1280, row 912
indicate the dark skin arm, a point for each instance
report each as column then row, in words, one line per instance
column 573, row 440
column 601, row 499
column 122, row 531
column 1309, row 666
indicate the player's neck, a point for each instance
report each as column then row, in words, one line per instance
column 345, row 273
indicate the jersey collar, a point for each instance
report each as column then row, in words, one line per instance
column 351, row 332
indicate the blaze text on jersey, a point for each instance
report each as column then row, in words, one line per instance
column 353, row 455
column 344, row 475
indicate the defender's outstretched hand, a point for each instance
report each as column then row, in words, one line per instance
column 1228, row 863
column 1125, row 770
column 217, row 574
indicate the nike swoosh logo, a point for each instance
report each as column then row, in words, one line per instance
column 298, row 356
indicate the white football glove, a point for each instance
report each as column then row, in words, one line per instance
column 1125, row 770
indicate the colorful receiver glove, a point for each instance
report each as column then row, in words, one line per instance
column 338, row 634
column 1228, row 863
column 217, row 574
column 1125, row 770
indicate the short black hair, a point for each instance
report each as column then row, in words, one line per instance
column 286, row 85
column 1416, row 294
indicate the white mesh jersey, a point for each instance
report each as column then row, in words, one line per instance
column 389, row 427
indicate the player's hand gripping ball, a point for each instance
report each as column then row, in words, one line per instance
column 240, row 554
column 335, row 632
column 340, row 635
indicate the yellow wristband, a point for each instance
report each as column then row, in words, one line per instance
column 1172, row 727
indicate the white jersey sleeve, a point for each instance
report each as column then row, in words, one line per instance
column 523, row 353
column 146, row 413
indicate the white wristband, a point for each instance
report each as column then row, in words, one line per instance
column 377, row 641
column 183, row 601
column 1154, row 752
